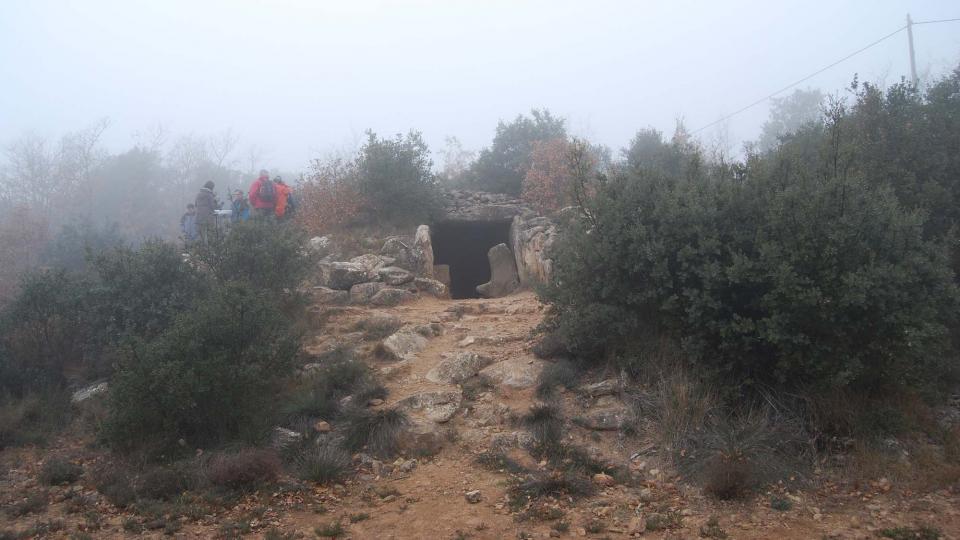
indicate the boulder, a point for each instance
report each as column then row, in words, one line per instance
column 436, row 406
column 516, row 372
column 394, row 275
column 458, row 367
column 370, row 262
column 503, row 273
column 388, row 297
column 362, row 293
column 433, row 287
column 404, row 345
column 343, row 275
column 606, row 419
column 326, row 295
column 421, row 437
column 423, row 251
column 531, row 239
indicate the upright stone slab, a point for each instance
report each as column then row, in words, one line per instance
column 503, row 273
column 423, row 250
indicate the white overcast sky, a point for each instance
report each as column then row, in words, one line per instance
column 302, row 78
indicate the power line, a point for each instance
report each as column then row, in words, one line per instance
column 937, row 21
column 801, row 81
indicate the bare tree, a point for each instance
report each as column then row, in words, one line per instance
column 256, row 155
column 222, row 145
column 185, row 159
column 152, row 138
column 29, row 177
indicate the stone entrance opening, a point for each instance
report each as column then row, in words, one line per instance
column 463, row 246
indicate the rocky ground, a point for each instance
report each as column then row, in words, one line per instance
column 430, row 367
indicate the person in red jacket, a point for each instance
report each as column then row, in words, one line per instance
column 263, row 197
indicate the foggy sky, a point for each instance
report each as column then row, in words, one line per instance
column 304, row 78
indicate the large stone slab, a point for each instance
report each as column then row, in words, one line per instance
column 404, row 345
column 438, row 407
column 362, row 293
column 458, row 367
column 343, row 275
column 515, row 373
column 503, row 273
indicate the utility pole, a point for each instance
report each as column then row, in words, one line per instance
column 913, row 59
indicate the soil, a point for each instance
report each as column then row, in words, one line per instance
column 429, row 501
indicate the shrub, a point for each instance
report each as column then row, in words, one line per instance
column 165, row 483
column 77, row 243
column 323, row 464
column 329, row 199
column 319, row 395
column 763, row 278
column 268, row 256
column 545, row 424
column 209, row 378
column 57, row 471
column 42, row 332
column 116, row 484
column 140, row 291
column 560, row 373
column 244, row 470
column 331, row 530
column 375, row 431
column 34, row 502
column 923, row 532
column 32, row 418
column 395, row 179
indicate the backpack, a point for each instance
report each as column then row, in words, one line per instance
column 267, row 191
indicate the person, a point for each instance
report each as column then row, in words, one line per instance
column 283, row 198
column 206, row 203
column 240, row 208
column 188, row 225
column 263, row 197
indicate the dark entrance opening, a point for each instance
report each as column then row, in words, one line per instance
column 463, row 245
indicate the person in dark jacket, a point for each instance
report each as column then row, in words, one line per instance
column 206, row 203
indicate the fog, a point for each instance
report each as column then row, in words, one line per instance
column 301, row 79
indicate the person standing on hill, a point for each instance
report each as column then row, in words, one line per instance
column 206, row 203
column 188, row 225
column 263, row 197
column 239, row 208
column 283, row 198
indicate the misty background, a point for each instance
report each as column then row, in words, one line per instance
column 296, row 80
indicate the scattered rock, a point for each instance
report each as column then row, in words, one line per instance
column 503, row 273
column 404, row 345
column 467, row 341
column 321, row 426
column 326, row 295
column 284, row 438
column 407, row 466
column 422, row 437
column 603, row 420
column 603, row 480
column 432, row 287
column 362, row 293
column 473, row 497
column 458, row 367
column 516, row 372
column 394, row 275
column 436, row 406
column 602, row 388
column 343, row 275
column 391, row 297
column 90, row 391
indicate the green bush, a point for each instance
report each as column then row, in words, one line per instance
column 764, row 277
column 269, row 256
column 140, row 291
column 43, row 331
column 395, row 179
column 210, row 377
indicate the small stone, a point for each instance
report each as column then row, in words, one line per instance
column 473, row 497
column 375, row 402
column 321, row 427
column 603, row 480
